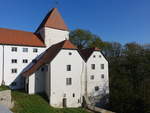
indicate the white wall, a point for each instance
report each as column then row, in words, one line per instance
column 52, row 36
column 10, row 77
column 47, row 80
column 102, row 83
column 40, row 77
column 1, row 63
column 31, row 89
column 59, row 75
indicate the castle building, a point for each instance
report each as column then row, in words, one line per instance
column 46, row 61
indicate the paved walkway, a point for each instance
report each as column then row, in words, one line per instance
column 4, row 109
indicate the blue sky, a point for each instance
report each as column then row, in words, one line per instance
column 113, row 20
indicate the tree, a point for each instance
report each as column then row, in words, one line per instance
column 84, row 39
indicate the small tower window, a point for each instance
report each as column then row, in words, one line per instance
column 70, row 53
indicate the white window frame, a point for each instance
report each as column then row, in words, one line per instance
column 93, row 66
column 25, row 50
column 68, row 81
column 92, row 77
column 14, row 49
column 35, row 50
column 102, row 66
column 14, row 70
column 25, row 61
column 14, row 61
column 68, row 67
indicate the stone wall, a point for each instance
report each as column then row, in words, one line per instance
column 5, row 98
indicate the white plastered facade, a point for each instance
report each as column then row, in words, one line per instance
column 6, row 65
column 52, row 36
column 101, row 77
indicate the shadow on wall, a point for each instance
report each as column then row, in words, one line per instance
column 100, row 98
column 19, row 82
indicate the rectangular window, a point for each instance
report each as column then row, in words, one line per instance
column 35, row 50
column 102, row 75
column 96, row 88
column 25, row 49
column 14, row 61
column 68, row 67
column 92, row 77
column 68, row 81
column 102, row 66
column 93, row 66
column 14, row 70
column 14, row 49
column 25, row 61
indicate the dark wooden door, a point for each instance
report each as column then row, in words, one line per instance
column 64, row 102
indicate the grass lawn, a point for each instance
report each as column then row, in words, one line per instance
column 3, row 88
column 25, row 103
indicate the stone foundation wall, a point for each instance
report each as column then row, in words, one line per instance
column 5, row 98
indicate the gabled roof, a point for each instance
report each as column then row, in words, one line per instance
column 53, row 20
column 16, row 37
column 48, row 56
column 86, row 53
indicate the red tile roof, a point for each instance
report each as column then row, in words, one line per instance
column 86, row 53
column 48, row 56
column 53, row 20
column 16, row 37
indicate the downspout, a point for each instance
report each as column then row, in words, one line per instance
column 3, row 82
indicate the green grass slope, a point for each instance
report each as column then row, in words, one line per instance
column 25, row 103
column 2, row 88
